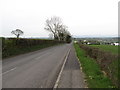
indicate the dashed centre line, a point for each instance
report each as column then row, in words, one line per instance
column 9, row 71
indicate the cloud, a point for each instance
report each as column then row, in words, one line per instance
column 83, row 17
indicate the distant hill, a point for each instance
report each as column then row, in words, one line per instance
column 101, row 39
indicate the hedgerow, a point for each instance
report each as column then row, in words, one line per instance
column 107, row 61
column 14, row 46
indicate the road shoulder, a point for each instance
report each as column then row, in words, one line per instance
column 72, row 76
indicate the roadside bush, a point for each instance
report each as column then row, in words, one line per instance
column 14, row 46
column 106, row 60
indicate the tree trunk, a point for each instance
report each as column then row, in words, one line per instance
column 18, row 35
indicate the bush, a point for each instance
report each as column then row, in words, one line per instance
column 93, row 74
column 105, row 60
column 14, row 46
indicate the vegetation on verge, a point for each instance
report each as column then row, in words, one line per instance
column 94, row 75
column 14, row 46
column 107, row 61
column 114, row 66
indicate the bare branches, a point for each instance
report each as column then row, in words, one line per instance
column 56, row 27
column 52, row 24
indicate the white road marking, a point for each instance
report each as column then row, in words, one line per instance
column 37, row 58
column 59, row 76
column 9, row 71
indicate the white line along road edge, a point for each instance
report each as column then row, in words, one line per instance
column 59, row 76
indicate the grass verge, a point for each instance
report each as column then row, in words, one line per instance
column 94, row 76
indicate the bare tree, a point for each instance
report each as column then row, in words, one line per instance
column 53, row 25
column 17, row 32
column 63, row 32
column 56, row 27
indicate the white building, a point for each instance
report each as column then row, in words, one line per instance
column 75, row 41
column 84, row 40
column 116, row 44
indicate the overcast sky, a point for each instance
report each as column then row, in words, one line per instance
column 83, row 17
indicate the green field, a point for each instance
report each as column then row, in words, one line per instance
column 94, row 76
column 109, row 48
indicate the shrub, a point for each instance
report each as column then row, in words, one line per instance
column 105, row 60
column 14, row 46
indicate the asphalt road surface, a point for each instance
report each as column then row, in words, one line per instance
column 40, row 69
column 72, row 76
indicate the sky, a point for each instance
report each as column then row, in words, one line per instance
column 84, row 18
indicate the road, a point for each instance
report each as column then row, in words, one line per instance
column 72, row 76
column 38, row 69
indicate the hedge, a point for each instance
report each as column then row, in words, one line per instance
column 14, row 46
column 107, row 61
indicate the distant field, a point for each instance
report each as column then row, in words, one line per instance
column 110, row 48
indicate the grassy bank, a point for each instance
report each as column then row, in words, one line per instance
column 115, row 64
column 95, row 77
column 12, row 47
column 108, row 61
